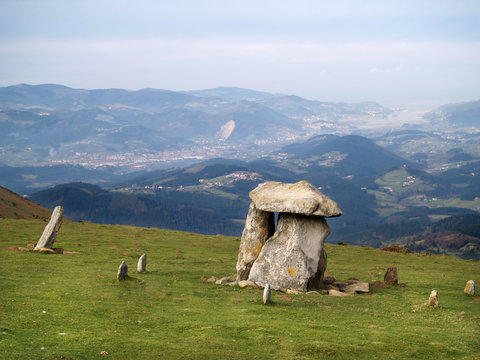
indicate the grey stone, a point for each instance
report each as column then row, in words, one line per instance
column 339, row 293
column 299, row 198
column 142, row 263
column 290, row 258
column 358, row 287
column 470, row 288
column 433, row 299
column 391, row 276
column 122, row 273
column 246, row 283
column 50, row 232
column 266, row 294
column 259, row 226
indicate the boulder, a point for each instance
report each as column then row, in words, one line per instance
column 391, row 276
column 470, row 288
column 259, row 226
column 122, row 273
column 299, row 198
column 266, row 294
column 142, row 263
column 291, row 257
column 433, row 299
column 50, row 232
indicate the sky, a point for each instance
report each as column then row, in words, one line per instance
column 416, row 54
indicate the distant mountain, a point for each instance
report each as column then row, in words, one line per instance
column 53, row 123
column 457, row 115
column 13, row 206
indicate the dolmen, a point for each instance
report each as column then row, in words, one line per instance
column 292, row 256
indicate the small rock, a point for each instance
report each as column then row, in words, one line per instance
column 247, row 283
column 142, row 263
column 433, row 299
column 266, row 294
column 329, row 280
column 358, row 287
column 470, row 288
column 224, row 280
column 122, row 273
column 391, row 276
column 340, row 285
column 211, row 279
column 339, row 293
column 294, row 292
column 46, row 250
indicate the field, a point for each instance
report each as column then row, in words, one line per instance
column 69, row 306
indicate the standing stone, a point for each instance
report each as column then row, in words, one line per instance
column 122, row 273
column 266, row 294
column 391, row 276
column 142, row 263
column 470, row 288
column 259, row 226
column 290, row 258
column 433, row 299
column 50, row 232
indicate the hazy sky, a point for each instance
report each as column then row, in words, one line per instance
column 402, row 52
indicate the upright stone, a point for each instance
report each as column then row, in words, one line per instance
column 259, row 226
column 50, row 232
column 266, row 294
column 122, row 273
column 142, row 263
column 433, row 299
column 470, row 288
column 391, row 276
column 291, row 257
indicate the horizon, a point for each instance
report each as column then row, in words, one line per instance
column 409, row 54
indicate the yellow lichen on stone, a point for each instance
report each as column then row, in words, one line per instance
column 292, row 271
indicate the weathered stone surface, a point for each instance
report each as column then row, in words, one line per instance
column 433, row 299
column 266, row 294
column 225, row 280
column 246, row 283
column 470, row 288
column 259, row 226
column 122, row 273
column 290, row 258
column 142, row 263
column 339, row 293
column 299, row 198
column 358, row 287
column 317, row 281
column 391, row 276
column 50, row 232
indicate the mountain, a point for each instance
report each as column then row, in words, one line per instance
column 53, row 124
column 456, row 115
column 13, row 206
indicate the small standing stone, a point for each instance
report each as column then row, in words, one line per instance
column 142, row 263
column 50, row 232
column 266, row 294
column 122, row 273
column 391, row 276
column 433, row 299
column 470, row 288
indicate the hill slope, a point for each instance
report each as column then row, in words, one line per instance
column 13, row 206
column 79, row 311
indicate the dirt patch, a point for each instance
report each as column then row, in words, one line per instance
column 397, row 249
column 283, row 297
column 378, row 285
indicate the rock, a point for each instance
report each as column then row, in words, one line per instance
column 122, row 273
column 470, row 288
column 433, row 299
column 142, row 263
column 299, row 198
column 358, row 287
column 317, row 281
column 291, row 257
column 50, row 232
column 224, row 280
column 391, row 276
column 259, row 226
column 46, row 250
column 266, row 294
column 246, row 283
column 340, row 285
column 339, row 293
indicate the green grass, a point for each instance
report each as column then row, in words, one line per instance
column 69, row 306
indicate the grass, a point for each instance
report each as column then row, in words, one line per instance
column 70, row 306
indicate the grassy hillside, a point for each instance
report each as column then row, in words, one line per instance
column 13, row 206
column 69, row 306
